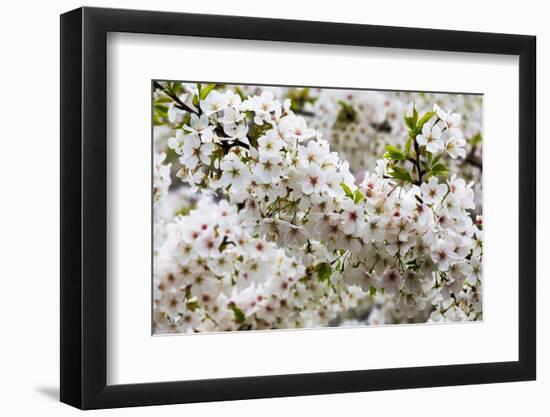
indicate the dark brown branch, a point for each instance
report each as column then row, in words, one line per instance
column 417, row 162
column 226, row 145
column 179, row 104
column 384, row 127
column 474, row 160
column 304, row 113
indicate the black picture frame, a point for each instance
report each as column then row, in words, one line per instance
column 84, row 207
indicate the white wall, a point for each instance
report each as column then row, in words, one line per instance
column 29, row 175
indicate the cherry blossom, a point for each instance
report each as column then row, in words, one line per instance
column 286, row 233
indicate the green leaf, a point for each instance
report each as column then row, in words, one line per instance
column 163, row 99
column 400, row 174
column 184, row 211
column 430, row 158
column 299, row 97
column 436, row 159
column 408, row 146
column 412, row 265
column 324, row 271
column 161, row 110
column 239, row 315
column 476, row 139
column 424, row 119
column 225, row 243
column 347, row 190
column 257, row 131
column 394, row 153
column 192, row 303
column 391, row 148
column 439, row 168
column 196, row 101
column 206, row 90
column 409, row 122
column 241, row 93
column 358, row 197
column 372, row 291
column 346, row 115
column 415, row 115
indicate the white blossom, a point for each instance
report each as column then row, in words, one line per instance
column 431, row 138
column 295, row 236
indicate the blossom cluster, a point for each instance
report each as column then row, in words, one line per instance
column 212, row 275
column 360, row 124
column 399, row 245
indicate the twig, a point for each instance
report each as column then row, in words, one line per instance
column 393, row 189
column 473, row 160
column 179, row 104
column 226, row 145
column 304, row 113
column 382, row 127
column 417, row 162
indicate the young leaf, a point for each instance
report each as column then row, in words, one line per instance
column 240, row 92
column 299, row 97
column 408, row 146
column 239, row 315
column 424, row 119
column 206, row 90
column 347, row 190
column 358, row 197
column 409, row 122
column 346, row 115
column 436, row 159
column 394, row 153
column 400, row 174
column 192, row 303
column 161, row 110
column 324, row 271
column 439, row 168
column 391, row 148
column 476, row 139
column 415, row 115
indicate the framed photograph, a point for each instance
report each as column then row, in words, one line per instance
column 257, row 208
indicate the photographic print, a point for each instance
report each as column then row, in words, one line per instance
column 283, row 207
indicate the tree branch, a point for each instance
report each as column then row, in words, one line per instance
column 382, row 127
column 179, row 104
column 226, row 145
column 473, row 160
column 417, row 162
column 304, row 113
